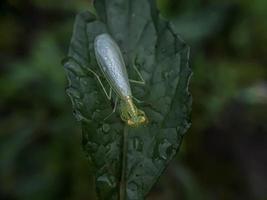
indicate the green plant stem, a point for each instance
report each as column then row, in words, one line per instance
column 124, row 162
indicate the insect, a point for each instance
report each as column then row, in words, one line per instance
column 111, row 63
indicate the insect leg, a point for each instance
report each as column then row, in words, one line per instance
column 141, row 81
column 106, row 93
column 137, row 100
column 99, row 80
column 114, row 109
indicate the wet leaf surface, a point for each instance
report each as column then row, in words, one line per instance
column 149, row 43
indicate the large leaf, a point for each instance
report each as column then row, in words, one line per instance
column 128, row 161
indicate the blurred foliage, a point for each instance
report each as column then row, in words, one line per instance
column 224, row 153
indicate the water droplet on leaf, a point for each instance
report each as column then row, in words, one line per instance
column 163, row 149
column 137, row 144
column 106, row 127
column 166, row 75
column 109, row 180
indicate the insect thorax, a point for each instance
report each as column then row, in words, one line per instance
column 131, row 114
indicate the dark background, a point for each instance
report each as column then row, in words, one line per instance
column 224, row 154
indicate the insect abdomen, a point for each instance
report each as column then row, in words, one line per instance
column 110, row 60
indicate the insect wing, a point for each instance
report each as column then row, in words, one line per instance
column 110, row 60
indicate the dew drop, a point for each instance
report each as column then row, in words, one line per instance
column 166, row 75
column 137, row 144
column 132, row 191
column 133, row 186
column 105, row 128
column 84, row 81
column 163, row 149
column 106, row 179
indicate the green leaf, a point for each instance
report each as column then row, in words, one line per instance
column 128, row 161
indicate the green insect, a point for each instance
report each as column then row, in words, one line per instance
column 111, row 63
